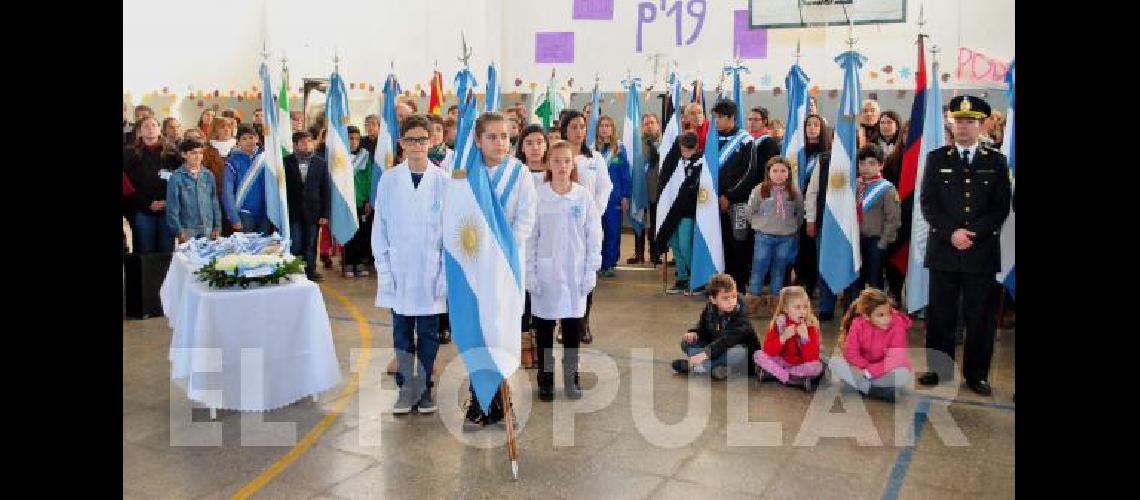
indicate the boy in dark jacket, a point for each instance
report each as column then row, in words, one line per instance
column 711, row 346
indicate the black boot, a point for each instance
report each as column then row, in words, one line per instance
column 545, row 386
column 570, row 379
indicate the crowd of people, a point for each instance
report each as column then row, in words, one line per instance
column 567, row 218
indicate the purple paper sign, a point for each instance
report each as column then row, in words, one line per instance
column 594, row 9
column 748, row 43
column 556, row 47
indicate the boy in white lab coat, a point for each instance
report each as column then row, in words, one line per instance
column 407, row 242
column 563, row 254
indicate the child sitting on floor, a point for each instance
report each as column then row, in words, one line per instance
column 711, row 346
column 874, row 346
column 791, row 348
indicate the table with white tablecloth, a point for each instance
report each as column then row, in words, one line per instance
column 279, row 334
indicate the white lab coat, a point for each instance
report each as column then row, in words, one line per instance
column 594, row 175
column 407, row 241
column 564, row 253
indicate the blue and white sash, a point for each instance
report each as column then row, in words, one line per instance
column 733, row 144
column 497, row 179
column 873, row 192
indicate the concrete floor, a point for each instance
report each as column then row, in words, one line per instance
column 618, row 450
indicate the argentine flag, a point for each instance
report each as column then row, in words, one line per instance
column 493, row 96
column 484, row 272
column 342, row 216
column 1006, row 239
column 631, row 146
column 797, row 84
column 385, row 153
column 464, row 82
column 276, row 199
column 737, row 96
column 839, row 258
column 592, row 124
column 708, row 250
column 933, row 137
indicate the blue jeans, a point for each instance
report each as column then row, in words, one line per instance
column 254, row 223
column 303, row 243
column 415, row 337
column 775, row 253
column 735, row 357
column 611, row 237
column 871, row 272
column 682, row 244
column 152, row 234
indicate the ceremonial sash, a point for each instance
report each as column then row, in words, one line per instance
column 247, row 182
column 733, row 145
column 873, row 192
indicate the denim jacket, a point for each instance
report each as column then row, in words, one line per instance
column 192, row 204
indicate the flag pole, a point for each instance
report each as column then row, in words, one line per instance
column 508, row 415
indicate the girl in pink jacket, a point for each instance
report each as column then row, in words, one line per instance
column 874, row 348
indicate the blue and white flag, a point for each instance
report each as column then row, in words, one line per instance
column 1006, row 239
column 631, row 147
column 708, row 250
column 385, row 154
column 592, row 120
column 493, row 97
column 933, row 137
column 464, row 82
column 342, row 216
column 797, row 84
column 276, row 199
column 737, row 95
column 839, row 258
column 484, row 273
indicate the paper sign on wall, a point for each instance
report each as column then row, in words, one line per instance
column 748, row 43
column 554, row 47
column 594, row 9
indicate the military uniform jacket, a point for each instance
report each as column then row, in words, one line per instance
column 975, row 197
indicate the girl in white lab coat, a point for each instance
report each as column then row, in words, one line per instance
column 564, row 252
column 595, row 177
column 407, row 241
column 531, row 152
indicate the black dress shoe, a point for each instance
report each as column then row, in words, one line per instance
column 445, row 336
column 928, row 378
column 981, row 387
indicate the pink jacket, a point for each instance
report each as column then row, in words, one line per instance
column 876, row 350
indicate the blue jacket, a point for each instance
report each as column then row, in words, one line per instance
column 238, row 163
column 192, row 204
column 619, row 175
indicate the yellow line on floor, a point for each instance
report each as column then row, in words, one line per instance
column 342, row 400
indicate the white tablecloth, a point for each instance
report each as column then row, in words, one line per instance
column 287, row 324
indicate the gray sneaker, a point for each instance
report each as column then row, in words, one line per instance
column 362, row 270
column 404, row 401
column 426, row 404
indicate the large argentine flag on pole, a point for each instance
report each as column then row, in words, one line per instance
column 839, row 258
column 708, row 250
column 631, row 146
column 342, row 218
column 1006, row 241
column 933, row 137
column 797, row 84
column 276, row 199
column 484, row 274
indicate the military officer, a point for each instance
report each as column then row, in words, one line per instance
column 965, row 198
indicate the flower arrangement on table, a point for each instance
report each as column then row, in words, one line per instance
column 247, row 269
column 242, row 259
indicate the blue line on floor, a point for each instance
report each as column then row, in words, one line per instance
column 982, row 404
column 902, row 463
